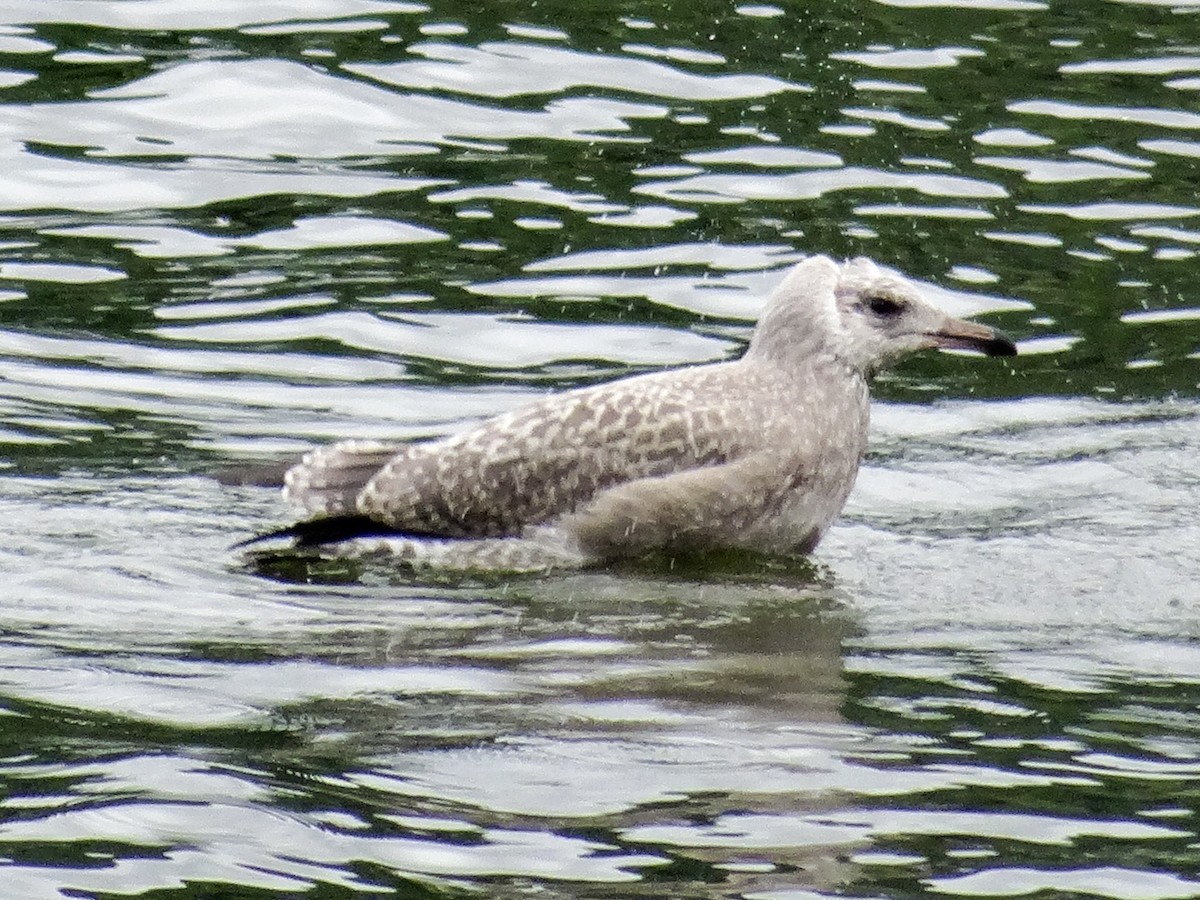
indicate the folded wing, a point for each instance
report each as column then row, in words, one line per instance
column 524, row 468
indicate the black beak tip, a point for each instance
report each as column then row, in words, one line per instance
column 1000, row 345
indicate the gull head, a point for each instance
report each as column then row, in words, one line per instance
column 861, row 316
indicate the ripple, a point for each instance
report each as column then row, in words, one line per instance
column 163, row 242
column 537, row 193
column 509, row 69
column 1012, row 137
column 1189, row 149
column 1053, row 505
column 1049, row 171
column 935, row 58
column 811, row 185
column 40, row 392
column 197, row 838
column 36, row 181
column 923, row 212
column 60, row 273
column 1105, row 155
column 1152, row 65
column 712, row 256
column 856, row 826
column 1166, row 233
column 156, row 15
column 765, row 157
column 536, row 32
column 243, row 109
column 1000, row 5
column 1162, row 118
column 14, row 44
column 14, row 79
column 1104, row 881
column 898, row 87
column 676, row 54
column 1114, row 212
column 759, row 10
column 1155, row 316
column 353, row 26
column 728, row 296
column 539, row 778
column 510, row 342
column 895, row 117
column 649, row 216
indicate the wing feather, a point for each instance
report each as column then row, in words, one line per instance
column 536, row 464
column 533, row 465
column 328, row 480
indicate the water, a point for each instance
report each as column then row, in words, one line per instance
column 231, row 231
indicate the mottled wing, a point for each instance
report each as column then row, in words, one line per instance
column 717, row 506
column 328, row 480
column 533, row 465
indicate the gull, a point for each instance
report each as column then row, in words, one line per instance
column 757, row 453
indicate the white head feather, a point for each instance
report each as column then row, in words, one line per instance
column 859, row 315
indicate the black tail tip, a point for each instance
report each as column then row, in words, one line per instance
column 318, row 532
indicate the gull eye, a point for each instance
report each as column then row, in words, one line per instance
column 884, row 307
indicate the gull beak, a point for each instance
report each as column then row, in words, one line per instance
column 959, row 334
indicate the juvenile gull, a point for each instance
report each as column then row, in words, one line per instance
column 757, row 453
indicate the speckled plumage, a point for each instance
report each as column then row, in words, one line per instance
column 758, row 453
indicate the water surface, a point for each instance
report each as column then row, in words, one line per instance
column 233, row 231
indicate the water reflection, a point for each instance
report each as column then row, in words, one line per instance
column 594, row 728
column 236, row 230
column 513, row 69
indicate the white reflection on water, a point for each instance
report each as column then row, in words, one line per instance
column 495, row 341
column 40, row 182
column 810, row 185
column 238, row 229
column 152, row 15
column 514, row 69
column 165, row 242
